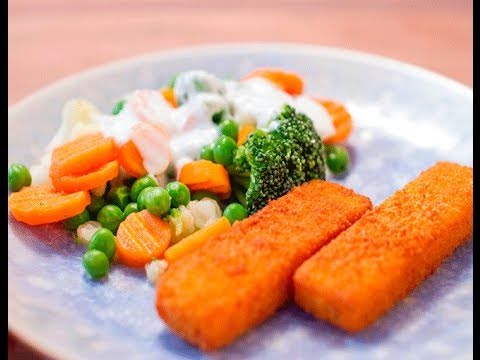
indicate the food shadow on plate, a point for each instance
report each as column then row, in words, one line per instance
column 293, row 321
column 44, row 238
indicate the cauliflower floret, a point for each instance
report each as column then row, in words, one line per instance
column 155, row 269
column 86, row 231
column 204, row 211
column 181, row 222
column 99, row 191
column 77, row 119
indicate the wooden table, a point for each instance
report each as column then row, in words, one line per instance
column 50, row 39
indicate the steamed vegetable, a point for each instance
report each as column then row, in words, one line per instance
column 41, row 204
column 110, row 217
column 104, row 241
column 18, row 177
column 157, row 201
column 96, row 264
column 205, row 175
column 243, row 133
column 281, row 159
column 289, row 82
column 195, row 240
column 141, row 238
column 179, row 193
column 130, row 159
column 337, row 159
column 75, row 221
column 342, row 121
column 234, row 212
column 88, row 181
column 83, row 155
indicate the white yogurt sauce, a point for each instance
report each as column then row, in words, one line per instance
column 257, row 101
column 165, row 135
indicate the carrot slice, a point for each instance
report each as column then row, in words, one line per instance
column 92, row 180
column 36, row 205
column 82, row 155
column 342, row 121
column 169, row 95
column 196, row 239
column 243, row 133
column 131, row 160
column 206, row 175
column 289, row 82
column 142, row 237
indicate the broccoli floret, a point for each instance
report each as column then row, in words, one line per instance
column 240, row 165
column 287, row 156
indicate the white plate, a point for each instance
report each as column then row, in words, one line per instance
column 406, row 119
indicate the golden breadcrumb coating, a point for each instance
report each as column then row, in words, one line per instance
column 375, row 263
column 237, row 280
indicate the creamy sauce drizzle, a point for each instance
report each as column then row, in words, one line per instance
column 165, row 135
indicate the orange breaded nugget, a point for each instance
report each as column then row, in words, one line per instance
column 375, row 263
column 238, row 279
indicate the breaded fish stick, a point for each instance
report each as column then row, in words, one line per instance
column 375, row 263
column 238, row 279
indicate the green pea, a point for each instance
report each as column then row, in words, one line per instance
column 110, row 217
column 96, row 204
column 141, row 198
column 75, row 221
column 199, row 195
column 157, row 201
column 229, row 128
column 119, row 196
column 224, row 150
column 179, row 193
column 18, row 177
column 96, row 264
column 234, row 212
column 129, row 209
column 337, row 159
column 118, row 107
column 103, row 240
column 207, row 152
column 141, row 184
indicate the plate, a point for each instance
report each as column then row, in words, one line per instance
column 405, row 118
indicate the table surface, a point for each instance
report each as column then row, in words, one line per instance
column 51, row 39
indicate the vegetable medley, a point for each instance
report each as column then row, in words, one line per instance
column 170, row 168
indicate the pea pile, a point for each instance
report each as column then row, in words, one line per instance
column 222, row 151
column 114, row 206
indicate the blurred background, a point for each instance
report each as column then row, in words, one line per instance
column 51, row 39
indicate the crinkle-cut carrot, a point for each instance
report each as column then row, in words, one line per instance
column 131, row 160
column 82, row 155
column 289, row 82
column 243, row 133
column 196, row 239
column 92, row 180
column 142, row 237
column 206, row 175
column 342, row 121
column 169, row 95
column 36, row 205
